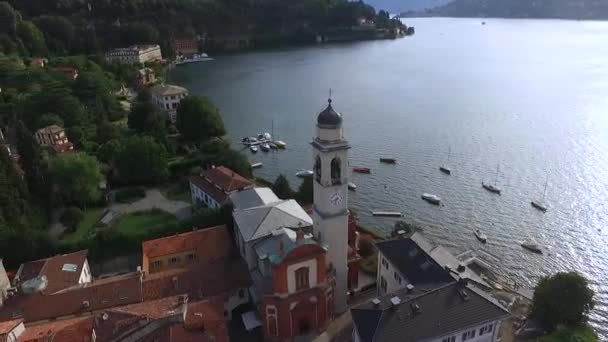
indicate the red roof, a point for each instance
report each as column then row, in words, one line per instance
column 8, row 326
column 208, row 244
column 205, row 186
column 78, row 329
column 226, row 179
column 56, row 269
column 199, row 281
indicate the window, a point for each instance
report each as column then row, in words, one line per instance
column 318, row 169
column 383, row 284
column 191, row 257
column 174, row 260
column 398, row 278
column 241, row 293
column 271, row 320
column 385, row 263
column 302, row 278
column 449, row 339
column 336, row 173
column 174, row 105
column 468, row 335
column 167, row 106
column 157, row 264
column 486, row 329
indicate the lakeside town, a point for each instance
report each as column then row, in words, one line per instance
column 159, row 230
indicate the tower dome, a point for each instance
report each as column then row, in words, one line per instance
column 329, row 118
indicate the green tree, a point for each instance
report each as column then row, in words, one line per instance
column 14, row 197
column 142, row 160
column 77, row 178
column 32, row 160
column 145, row 117
column 305, row 191
column 109, row 151
column 8, row 18
column 59, row 32
column 32, row 38
column 562, row 299
column 71, row 217
column 48, row 120
column 281, row 187
column 142, row 33
column 199, row 120
column 93, row 89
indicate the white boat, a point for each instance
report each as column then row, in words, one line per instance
column 387, row 213
column 265, row 147
column 538, row 204
column 443, row 168
column 265, row 137
column 250, row 141
column 481, row 236
column 304, row 173
column 253, row 148
column 493, row 187
column 202, row 57
column 433, row 199
column 256, row 165
column 532, row 246
column 352, row 186
column 280, row 144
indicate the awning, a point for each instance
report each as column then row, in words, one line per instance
column 251, row 320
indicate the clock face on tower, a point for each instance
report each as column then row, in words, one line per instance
column 335, row 199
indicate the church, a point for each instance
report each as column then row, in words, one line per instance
column 302, row 263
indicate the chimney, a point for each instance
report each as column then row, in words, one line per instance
column 461, row 268
column 85, row 304
column 395, row 301
column 182, row 299
column 409, row 288
column 415, row 308
column 376, row 302
column 299, row 237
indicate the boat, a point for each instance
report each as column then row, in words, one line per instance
column 304, row 173
column 362, row 170
column 481, row 236
column 273, row 146
column 387, row 213
column 202, row 57
column 532, row 246
column 280, row 144
column 265, row 147
column 264, row 137
column 250, row 141
column 253, row 148
column 444, row 168
column 256, row 165
column 388, row 160
column 433, row 199
column 493, row 187
column 538, row 204
column 352, row 186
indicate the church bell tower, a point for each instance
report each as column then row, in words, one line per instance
column 330, row 214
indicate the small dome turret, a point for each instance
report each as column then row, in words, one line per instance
column 329, row 118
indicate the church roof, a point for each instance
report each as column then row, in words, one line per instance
column 253, row 198
column 258, row 222
column 329, row 118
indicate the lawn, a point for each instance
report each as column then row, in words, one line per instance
column 86, row 226
column 135, row 223
column 583, row 333
column 177, row 192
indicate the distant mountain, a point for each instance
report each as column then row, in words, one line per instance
column 566, row 9
column 398, row 6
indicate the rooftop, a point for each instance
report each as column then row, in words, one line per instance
column 276, row 247
column 52, row 129
column 8, row 326
column 253, row 198
column 78, row 329
column 61, row 271
column 420, row 316
column 258, row 222
column 207, row 243
column 226, row 179
column 217, row 194
column 167, row 89
column 411, row 257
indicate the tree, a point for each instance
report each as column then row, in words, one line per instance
column 109, row 151
column 71, row 217
column 32, row 160
column 305, row 191
column 77, row 178
column 562, row 299
column 59, row 32
column 146, row 118
column 8, row 18
column 32, row 38
column 142, row 160
column 14, row 205
column 281, row 187
column 48, row 120
column 142, row 33
column 93, row 89
column 199, row 120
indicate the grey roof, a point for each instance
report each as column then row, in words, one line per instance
column 443, row 311
column 253, row 198
column 329, row 118
column 411, row 256
column 257, row 222
column 444, row 258
column 168, row 89
column 270, row 247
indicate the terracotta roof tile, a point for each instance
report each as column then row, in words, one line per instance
column 208, row 244
column 52, row 129
column 53, row 269
column 226, row 179
column 78, row 329
column 205, row 186
column 8, row 326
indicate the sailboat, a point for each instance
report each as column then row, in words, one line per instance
column 443, row 168
column 493, row 187
column 539, row 204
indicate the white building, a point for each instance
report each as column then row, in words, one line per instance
column 134, row 54
column 11, row 330
column 212, row 187
column 5, row 284
column 167, row 98
column 455, row 312
column 330, row 213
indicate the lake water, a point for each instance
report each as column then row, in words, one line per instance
column 529, row 95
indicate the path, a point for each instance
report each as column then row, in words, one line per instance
column 154, row 199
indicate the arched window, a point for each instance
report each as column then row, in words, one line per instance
column 302, row 278
column 271, row 319
column 336, row 172
column 318, row 169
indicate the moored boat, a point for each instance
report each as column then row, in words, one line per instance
column 280, row 144
column 433, row 199
column 538, row 205
column 352, row 186
column 491, row 188
column 304, row 173
column 265, row 147
column 445, row 170
column 387, row 213
column 481, row 236
column 253, row 148
column 388, row 160
column 532, row 246
column 362, row 170
column 256, row 165
column 202, row 57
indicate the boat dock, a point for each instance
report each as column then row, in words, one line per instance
column 387, row 213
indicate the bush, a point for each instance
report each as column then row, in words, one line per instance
column 71, row 218
column 366, row 248
column 131, row 194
